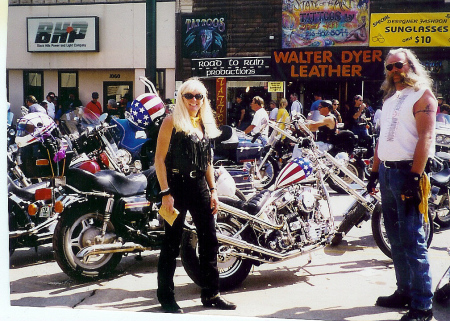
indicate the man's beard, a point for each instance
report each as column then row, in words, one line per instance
column 404, row 78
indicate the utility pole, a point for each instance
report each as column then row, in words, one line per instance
column 150, row 67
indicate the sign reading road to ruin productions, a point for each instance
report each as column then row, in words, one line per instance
column 231, row 67
column 424, row 29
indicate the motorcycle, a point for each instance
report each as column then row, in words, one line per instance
column 107, row 215
column 293, row 219
column 32, row 207
column 442, row 292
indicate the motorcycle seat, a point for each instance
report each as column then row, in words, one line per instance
column 252, row 205
column 26, row 193
column 108, row 181
column 441, row 178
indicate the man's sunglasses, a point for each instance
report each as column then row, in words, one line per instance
column 398, row 65
column 190, row 96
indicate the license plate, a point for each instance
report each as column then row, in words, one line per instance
column 45, row 211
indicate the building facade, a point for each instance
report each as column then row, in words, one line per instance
column 80, row 47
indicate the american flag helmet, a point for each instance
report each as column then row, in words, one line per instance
column 145, row 109
column 294, row 172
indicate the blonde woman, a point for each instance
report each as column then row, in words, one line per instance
column 186, row 177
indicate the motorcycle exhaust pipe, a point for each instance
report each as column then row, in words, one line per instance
column 244, row 215
column 260, row 250
column 109, row 248
column 34, row 230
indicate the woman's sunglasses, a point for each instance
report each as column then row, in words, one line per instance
column 190, row 96
column 398, row 65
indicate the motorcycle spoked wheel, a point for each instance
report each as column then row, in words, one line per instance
column 354, row 168
column 380, row 236
column 73, row 233
column 351, row 219
column 268, row 174
column 233, row 270
column 442, row 213
column 442, row 293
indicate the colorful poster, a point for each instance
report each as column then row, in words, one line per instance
column 324, row 23
column 204, row 36
column 423, row 29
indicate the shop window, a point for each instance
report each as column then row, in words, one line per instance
column 117, row 90
column 67, row 84
column 33, row 84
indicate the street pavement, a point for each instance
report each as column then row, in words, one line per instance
column 340, row 283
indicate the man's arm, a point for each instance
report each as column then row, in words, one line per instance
column 425, row 114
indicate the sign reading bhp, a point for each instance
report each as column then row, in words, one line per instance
column 62, row 34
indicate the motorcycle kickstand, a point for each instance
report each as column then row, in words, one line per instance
column 138, row 257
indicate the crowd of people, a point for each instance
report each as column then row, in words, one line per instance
column 56, row 108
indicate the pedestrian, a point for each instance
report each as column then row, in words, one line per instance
column 33, row 106
column 51, row 110
column 243, row 115
column 326, row 128
column 283, row 115
column 259, row 125
column 356, row 121
column 406, row 142
column 296, row 107
column 187, row 184
column 94, row 107
column 273, row 110
column 68, row 106
column 335, row 111
column 314, row 113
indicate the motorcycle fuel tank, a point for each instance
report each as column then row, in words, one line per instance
column 294, row 172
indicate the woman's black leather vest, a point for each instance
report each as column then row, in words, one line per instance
column 188, row 153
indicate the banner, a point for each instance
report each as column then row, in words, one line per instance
column 321, row 23
column 327, row 64
column 221, row 101
column 424, row 29
column 204, row 36
column 231, row 67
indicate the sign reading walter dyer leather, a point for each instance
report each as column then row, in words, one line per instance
column 328, row 64
column 62, row 34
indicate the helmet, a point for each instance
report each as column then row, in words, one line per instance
column 32, row 127
column 145, row 109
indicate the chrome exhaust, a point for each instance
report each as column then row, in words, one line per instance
column 109, row 248
column 261, row 250
column 250, row 218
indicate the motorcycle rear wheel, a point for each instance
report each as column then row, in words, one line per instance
column 380, row 236
column 442, row 216
column 75, row 232
column 233, row 270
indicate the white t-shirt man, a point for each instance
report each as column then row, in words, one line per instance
column 296, row 108
column 260, row 120
column 51, row 109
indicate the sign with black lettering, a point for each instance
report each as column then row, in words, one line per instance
column 62, row 34
column 327, row 64
column 422, row 29
column 231, row 67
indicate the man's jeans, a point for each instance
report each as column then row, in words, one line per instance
column 407, row 237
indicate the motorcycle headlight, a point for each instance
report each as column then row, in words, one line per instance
column 125, row 156
column 447, row 140
column 439, row 138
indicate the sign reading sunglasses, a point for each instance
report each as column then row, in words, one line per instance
column 190, row 96
column 398, row 65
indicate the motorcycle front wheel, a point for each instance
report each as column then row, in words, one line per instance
column 380, row 236
column 233, row 270
column 352, row 167
column 73, row 233
column 267, row 174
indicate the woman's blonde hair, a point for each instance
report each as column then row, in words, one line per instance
column 181, row 118
column 283, row 103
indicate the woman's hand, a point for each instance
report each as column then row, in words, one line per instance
column 214, row 202
column 167, row 202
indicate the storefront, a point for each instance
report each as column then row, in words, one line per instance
column 83, row 48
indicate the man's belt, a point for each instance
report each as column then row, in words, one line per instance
column 190, row 174
column 405, row 164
